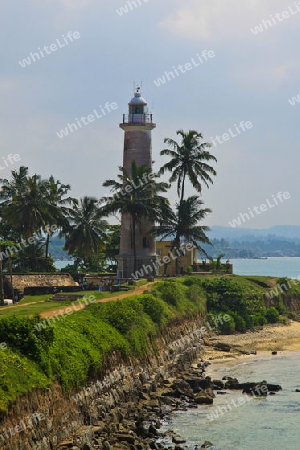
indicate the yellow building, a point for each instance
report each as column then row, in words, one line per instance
column 186, row 257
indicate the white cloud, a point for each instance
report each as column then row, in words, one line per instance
column 267, row 76
column 216, row 19
column 71, row 4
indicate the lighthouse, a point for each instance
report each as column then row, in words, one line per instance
column 137, row 125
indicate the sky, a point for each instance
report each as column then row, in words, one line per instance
column 98, row 51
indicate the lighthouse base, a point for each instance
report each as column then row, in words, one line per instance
column 146, row 266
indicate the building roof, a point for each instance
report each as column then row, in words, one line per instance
column 137, row 99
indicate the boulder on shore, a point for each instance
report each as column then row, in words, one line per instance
column 204, row 398
column 181, row 387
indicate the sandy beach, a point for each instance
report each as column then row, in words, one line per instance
column 271, row 338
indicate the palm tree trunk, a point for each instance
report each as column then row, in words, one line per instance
column 134, row 245
column 182, row 188
column 176, row 246
column 1, row 282
column 47, row 250
column 22, row 262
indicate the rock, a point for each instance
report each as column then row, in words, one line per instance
column 65, row 444
column 198, row 384
column 222, row 347
column 178, row 440
column 126, row 437
column 233, row 383
column 142, row 431
column 206, row 444
column 257, row 389
column 183, row 388
column 274, row 387
column 106, row 446
column 152, row 431
column 203, row 398
column 87, row 447
column 218, row 384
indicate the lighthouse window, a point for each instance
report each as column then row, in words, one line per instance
column 138, row 110
column 144, row 242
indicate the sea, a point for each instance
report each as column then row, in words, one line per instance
column 235, row 423
column 276, row 267
column 238, row 422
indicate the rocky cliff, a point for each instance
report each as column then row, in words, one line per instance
column 45, row 420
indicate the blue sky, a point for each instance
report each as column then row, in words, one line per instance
column 250, row 78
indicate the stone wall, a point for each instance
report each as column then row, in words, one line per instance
column 20, row 281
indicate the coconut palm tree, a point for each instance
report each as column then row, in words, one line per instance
column 216, row 265
column 87, row 230
column 137, row 194
column 58, row 209
column 30, row 205
column 185, row 223
column 27, row 210
column 15, row 186
column 189, row 158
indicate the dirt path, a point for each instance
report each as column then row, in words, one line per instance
column 16, row 306
column 109, row 298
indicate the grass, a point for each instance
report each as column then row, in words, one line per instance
column 72, row 351
column 42, row 303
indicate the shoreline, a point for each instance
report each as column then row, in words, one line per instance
column 277, row 337
column 284, row 339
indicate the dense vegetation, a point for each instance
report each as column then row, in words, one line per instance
column 73, row 350
column 242, row 299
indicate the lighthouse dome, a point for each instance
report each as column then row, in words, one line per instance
column 137, row 99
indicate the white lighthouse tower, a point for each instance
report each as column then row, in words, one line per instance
column 138, row 147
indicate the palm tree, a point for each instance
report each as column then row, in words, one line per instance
column 137, row 194
column 216, row 264
column 30, row 204
column 185, row 223
column 58, row 208
column 15, row 186
column 87, row 229
column 188, row 159
column 27, row 210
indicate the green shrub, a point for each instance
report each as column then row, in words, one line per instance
column 283, row 320
column 153, row 307
column 195, row 294
column 227, row 327
column 224, row 323
column 191, row 281
column 20, row 334
column 240, row 324
column 171, row 293
column 225, row 294
column 121, row 314
column 260, row 320
column 272, row 315
column 281, row 308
